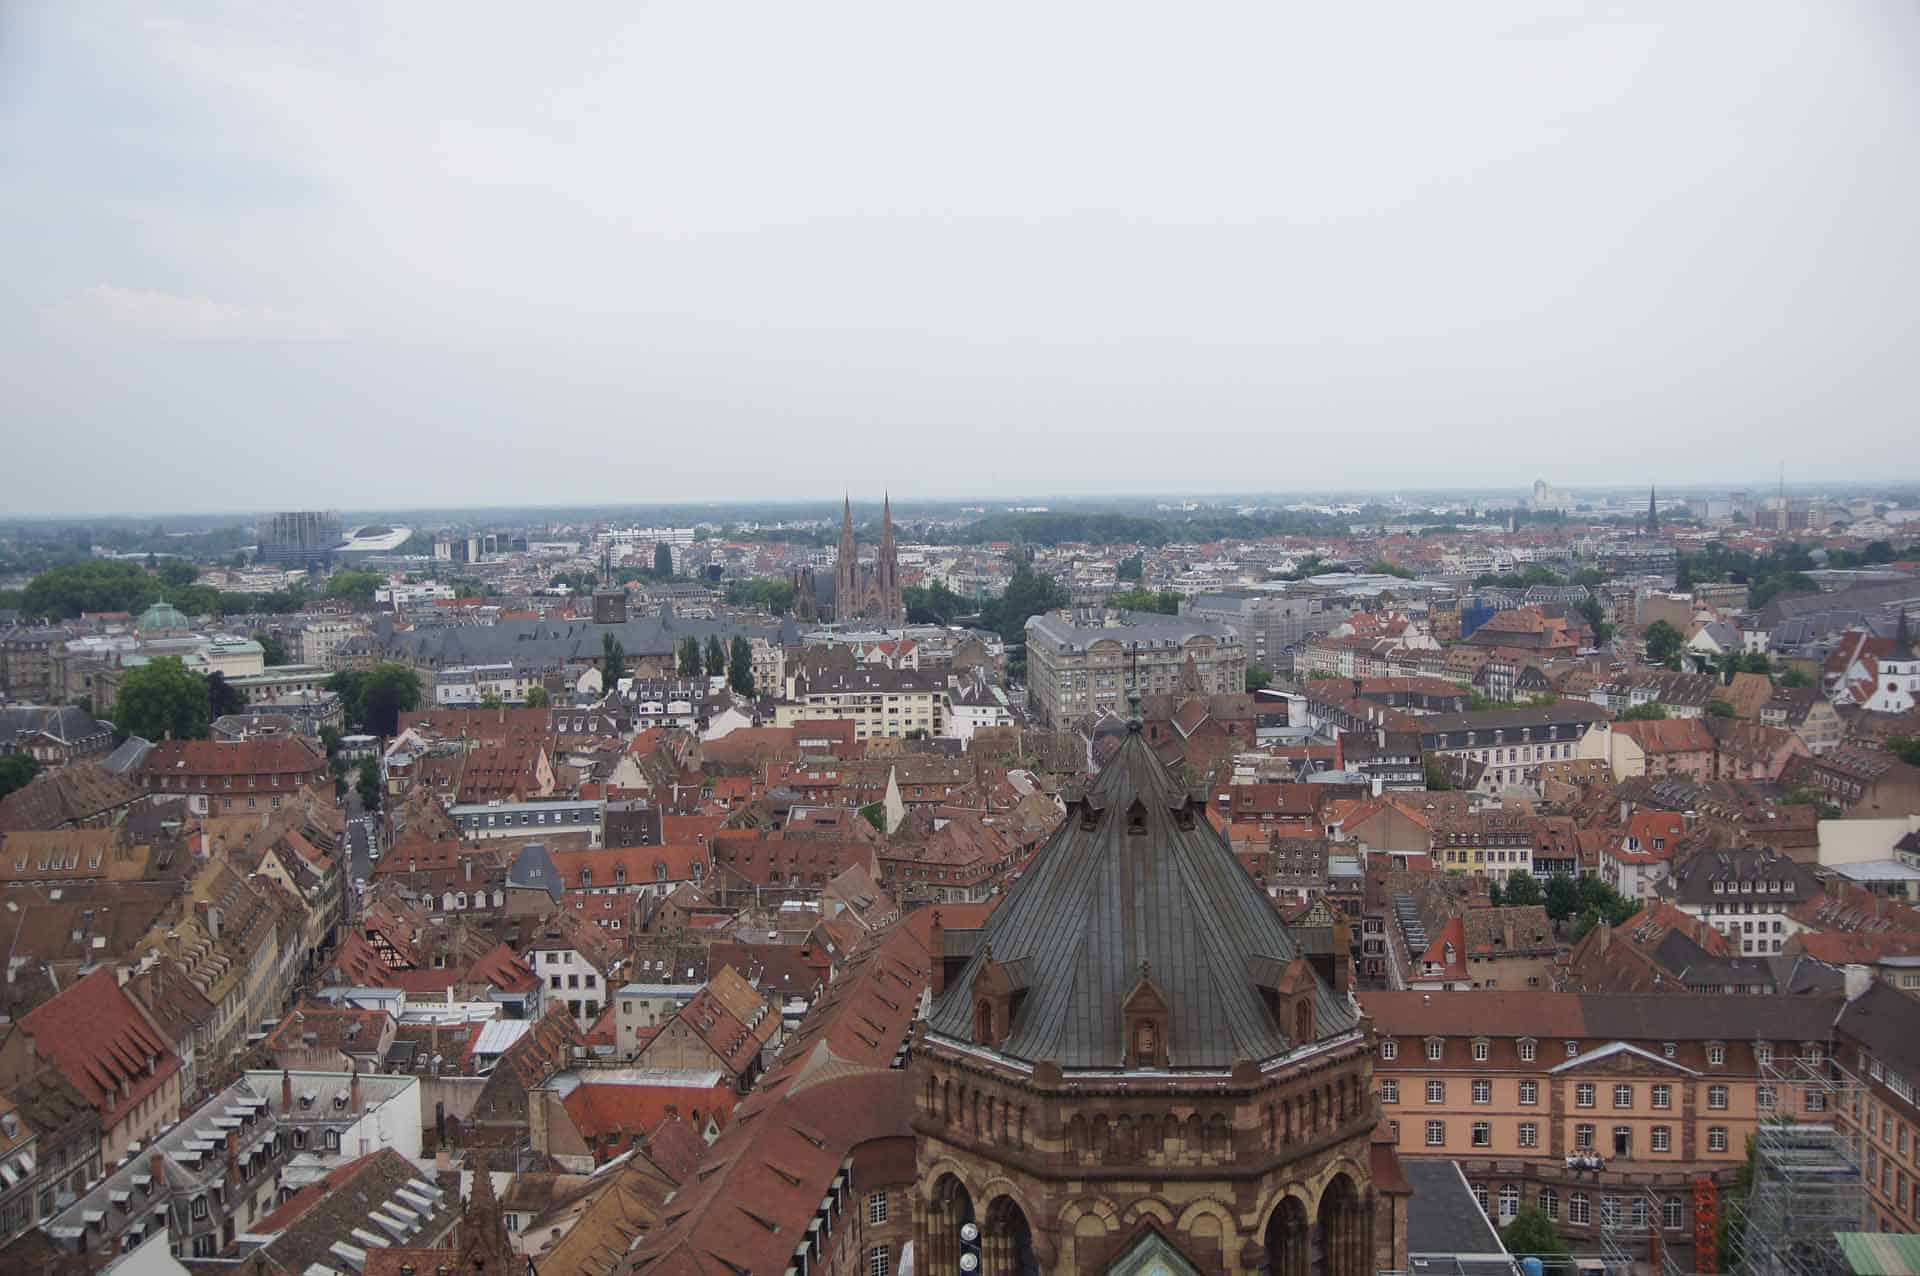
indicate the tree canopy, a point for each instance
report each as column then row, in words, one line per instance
column 740, row 666
column 16, row 769
column 933, row 604
column 613, row 662
column 163, row 698
column 1131, row 568
column 716, row 656
column 355, row 586
column 1165, row 602
column 63, row 592
column 775, row 595
column 223, row 697
column 372, row 700
column 1531, row 1232
column 1651, row 711
column 1663, row 641
column 1028, row 594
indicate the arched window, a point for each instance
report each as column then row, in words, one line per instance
column 1146, row 1044
column 983, row 1023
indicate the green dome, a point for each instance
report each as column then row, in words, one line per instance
column 160, row 618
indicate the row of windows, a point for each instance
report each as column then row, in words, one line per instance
column 1584, row 1137
column 1529, row 1051
column 1673, row 1210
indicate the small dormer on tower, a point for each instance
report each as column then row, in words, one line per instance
column 996, row 999
column 1294, row 1001
column 1144, row 1015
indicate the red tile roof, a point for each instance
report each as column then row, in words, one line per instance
column 101, row 1043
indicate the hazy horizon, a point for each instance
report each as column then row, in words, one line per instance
column 375, row 257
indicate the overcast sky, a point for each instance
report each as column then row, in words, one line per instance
column 376, row 254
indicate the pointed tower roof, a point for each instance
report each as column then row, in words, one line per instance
column 1136, row 874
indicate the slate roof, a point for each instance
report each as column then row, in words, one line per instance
column 67, row 796
column 1135, row 875
column 560, row 641
column 534, row 869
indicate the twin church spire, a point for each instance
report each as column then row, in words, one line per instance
column 872, row 593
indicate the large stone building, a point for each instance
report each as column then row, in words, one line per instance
column 873, row 594
column 1083, row 664
column 1135, row 1066
column 1596, row 1108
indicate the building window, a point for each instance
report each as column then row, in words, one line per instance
column 1433, row 1050
column 1673, row 1213
column 1623, row 1141
column 1509, row 1201
column 1436, row 1092
column 1763, row 1053
column 879, row 1261
column 1527, row 1050
column 1663, row 1138
column 1584, row 1095
column 1763, row 1098
column 1609, row 1211
column 1669, row 1049
column 1577, row 1210
column 1717, row 1139
column 1479, row 1052
column 1717, row 1097
column 1389, row 1090
column 1716, row 1055
column 1550, row 1203
column 877, row 1208
column 1529, row 1092
column 1436, row 1134
column 1663, row 1097
column 1583, row 1138
column 1529, row 1134
column 1623, row 1096
column 1482, row 1134
column 1573, row 1048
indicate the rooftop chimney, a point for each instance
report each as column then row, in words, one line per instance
column 233, row 1156
column 286, row 1091
column 158, row 1165
column 354, row 1099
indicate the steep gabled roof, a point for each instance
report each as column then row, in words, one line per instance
column 1135, row 883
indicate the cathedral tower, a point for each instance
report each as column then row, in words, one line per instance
column 1135, row 1066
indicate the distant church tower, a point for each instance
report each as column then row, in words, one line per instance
column 1653, row 514
column 873, row 595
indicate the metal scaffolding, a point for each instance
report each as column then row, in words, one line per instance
column 1808, row 1179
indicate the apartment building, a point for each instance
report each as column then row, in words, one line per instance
column 1590, row 1105
column 1088, row 663
column 1747, row 894
column 1878, row 1041
column 880, row 702
column 1511, row 743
